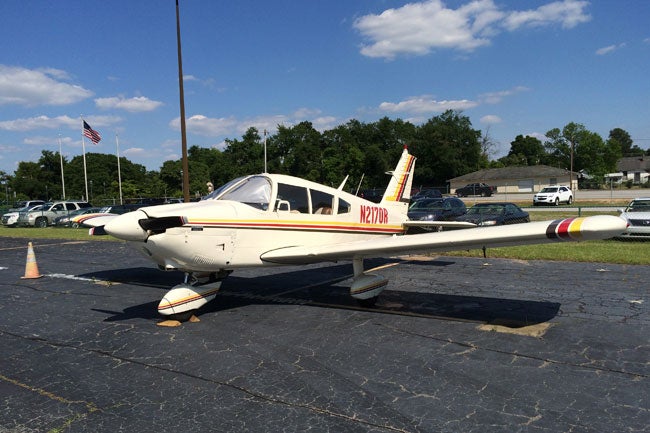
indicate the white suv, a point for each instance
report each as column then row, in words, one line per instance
column 45, row 216
column 554, row 194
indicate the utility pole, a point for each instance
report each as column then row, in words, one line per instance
column 186, row 171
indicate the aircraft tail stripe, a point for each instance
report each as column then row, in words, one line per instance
column 402, row 181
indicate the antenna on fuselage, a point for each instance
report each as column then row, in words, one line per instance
column 359, row 186
column 340, row 188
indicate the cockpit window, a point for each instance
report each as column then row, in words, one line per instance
column 254, row 191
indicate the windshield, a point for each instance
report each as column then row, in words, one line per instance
column 549, row 190
column 639, row 206
column 492, row 209
column 427, row 205
column 254, row 191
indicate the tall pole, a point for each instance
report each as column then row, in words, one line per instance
column 119, row 173
column 61, row 160
column 186, row 171
column 83, row 148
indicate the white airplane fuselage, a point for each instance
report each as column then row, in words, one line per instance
column 226, row 234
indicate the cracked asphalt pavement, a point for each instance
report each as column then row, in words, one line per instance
column 453, row 345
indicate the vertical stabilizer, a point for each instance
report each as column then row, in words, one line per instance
column 398, row 193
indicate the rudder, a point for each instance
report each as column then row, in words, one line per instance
column 398, row 192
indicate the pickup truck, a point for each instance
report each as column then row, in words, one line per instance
column 482, row 189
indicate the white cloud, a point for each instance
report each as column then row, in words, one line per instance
column 136, row 152
column 206, row 126
column 496, row 97
column 228, row 126
column 33, row 87
column 490, row 119
column 568, row 13
column 425, row 104
column 132, row 105
column 59, row 122
column 418, row 28
column 609, row 49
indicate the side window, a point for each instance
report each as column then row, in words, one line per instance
column 321, row 202
column 293, row 198
column 57, row 207
column 70, row 206
column 344, row 207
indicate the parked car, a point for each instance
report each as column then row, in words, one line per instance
column 637, row 215
column 120, row 209
column 436, row 209
column 374, row 195
column 482, row 189
column 553, row 195
column 65, row 220
column 46, row 215
column 427, row 193
column 495, row 214
column 10, row 219
column 26, row 203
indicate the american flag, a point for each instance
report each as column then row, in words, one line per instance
column 91, row 133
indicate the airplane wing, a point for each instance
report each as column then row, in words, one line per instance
column 434, row 224
column 576, row 229
column 96, row 221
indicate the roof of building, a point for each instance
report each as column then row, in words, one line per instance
column 633, row 163
column 518, row 172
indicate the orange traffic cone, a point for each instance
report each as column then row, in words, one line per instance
column 31, row 268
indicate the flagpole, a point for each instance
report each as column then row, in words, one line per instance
column 62, row 177
column 119, row 173
column 83, row 149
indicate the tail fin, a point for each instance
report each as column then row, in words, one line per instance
column 398, row 193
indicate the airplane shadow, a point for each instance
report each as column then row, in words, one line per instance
column 293, row 287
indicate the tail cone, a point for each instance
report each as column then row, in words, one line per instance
column 31, row 267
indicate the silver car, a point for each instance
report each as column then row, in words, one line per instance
column 637, row 215
column 10, row 219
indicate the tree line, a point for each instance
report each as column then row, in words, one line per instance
column 446, row 146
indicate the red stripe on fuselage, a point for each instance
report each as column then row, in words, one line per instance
column 296, row 226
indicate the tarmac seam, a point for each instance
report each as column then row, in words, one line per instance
column 254, row 394
column 521, row 355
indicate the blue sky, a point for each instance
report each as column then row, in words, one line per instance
column 513, row 67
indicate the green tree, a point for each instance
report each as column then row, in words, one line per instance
column 446, row 146
column 527, row 151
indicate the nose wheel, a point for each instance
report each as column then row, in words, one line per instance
column 182, row 302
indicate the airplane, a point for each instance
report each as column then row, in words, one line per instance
column 273, row 219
